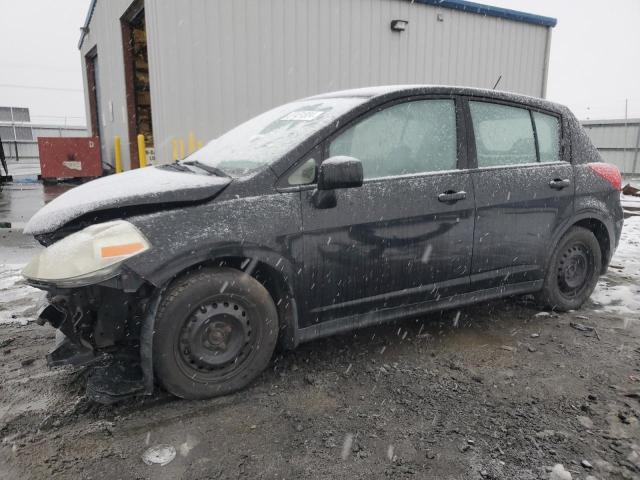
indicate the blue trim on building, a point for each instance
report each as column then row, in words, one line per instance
column 461, row 5
column 490, row 11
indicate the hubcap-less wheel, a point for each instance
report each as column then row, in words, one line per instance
column 215, row 340
column 214, row 332
column 576, row 263
column 575, row 267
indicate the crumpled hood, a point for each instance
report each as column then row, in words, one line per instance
column 143, row 186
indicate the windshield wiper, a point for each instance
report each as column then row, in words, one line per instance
column 175, row 166
column 208, row 168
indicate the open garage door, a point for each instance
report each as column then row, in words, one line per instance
column 136, row 63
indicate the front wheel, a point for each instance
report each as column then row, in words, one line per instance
column 215, row 331
column 573, row 271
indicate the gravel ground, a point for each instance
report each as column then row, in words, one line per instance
column 495, row 391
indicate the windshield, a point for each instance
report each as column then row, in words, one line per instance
column 267, row 137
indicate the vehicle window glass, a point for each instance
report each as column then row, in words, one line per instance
column 264, row 139
column 304, row 174
column 412, row 137
column 504, row 135
column 548, row 130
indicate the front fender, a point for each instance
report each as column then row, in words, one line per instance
column 146, row 340
column 163, row 277
column 166, row 270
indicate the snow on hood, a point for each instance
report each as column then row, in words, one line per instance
column 143, row 186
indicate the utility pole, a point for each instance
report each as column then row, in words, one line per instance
column 626, row 128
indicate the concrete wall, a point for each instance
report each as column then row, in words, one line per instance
column 214, row 64
column 618, row 141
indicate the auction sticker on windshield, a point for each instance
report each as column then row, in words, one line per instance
column 303, row 115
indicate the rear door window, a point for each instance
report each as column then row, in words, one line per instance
column 548, row 131
column 503, row 134
column 407, row 138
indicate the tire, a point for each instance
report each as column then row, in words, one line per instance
column 215, row 331
column 573, row 271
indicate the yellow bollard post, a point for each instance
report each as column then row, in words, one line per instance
column 174, row 150
column 181, row 149
column 117, row 150
column 192, row 143
column 142, row 152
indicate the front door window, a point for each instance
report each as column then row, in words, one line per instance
column 407, row 138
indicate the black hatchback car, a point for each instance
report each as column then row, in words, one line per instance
column 322, row 215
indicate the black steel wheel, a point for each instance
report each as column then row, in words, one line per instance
column 573, row 271
column 215, row 331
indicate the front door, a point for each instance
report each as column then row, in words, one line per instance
column 524, row 192
column 405, row 236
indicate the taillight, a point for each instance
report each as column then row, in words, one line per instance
column 609, row 172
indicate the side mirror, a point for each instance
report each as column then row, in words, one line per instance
column 340, row 172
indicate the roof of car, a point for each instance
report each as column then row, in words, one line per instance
column 392, row 91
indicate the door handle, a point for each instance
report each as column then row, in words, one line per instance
column 451, row 196
column 559, row 183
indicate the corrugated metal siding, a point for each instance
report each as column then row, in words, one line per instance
column 626, row 160
column 58, row 131
column 614, row 135
column 105, row 33
column 214, row 64
column 618, row 142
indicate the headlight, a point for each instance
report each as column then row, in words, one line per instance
column 88, row 255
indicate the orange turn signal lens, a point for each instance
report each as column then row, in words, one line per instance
column 120, row 250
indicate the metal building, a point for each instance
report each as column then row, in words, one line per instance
column 618, row 142
column 165, row 69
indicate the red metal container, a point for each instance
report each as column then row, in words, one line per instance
column 63, row 158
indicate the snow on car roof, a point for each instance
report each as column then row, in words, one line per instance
column 377, row 91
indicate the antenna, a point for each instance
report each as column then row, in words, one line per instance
column 497, row 82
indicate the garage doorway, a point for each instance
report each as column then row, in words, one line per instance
column 136, row 70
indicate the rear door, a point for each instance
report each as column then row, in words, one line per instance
column 405, row 236
column 524, row 190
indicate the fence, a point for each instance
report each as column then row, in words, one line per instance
column 618, row 141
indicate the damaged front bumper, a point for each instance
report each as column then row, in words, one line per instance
column 100, row 328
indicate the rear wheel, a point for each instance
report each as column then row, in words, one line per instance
column 573, row 271
column 215, row 331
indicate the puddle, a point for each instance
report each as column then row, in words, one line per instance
column 19, row 201
column 620, row 298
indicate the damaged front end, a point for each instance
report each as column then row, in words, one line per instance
column 98, row 307
column 100, row 328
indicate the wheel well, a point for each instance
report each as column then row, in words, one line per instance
column 276, row 284
column 602, row 235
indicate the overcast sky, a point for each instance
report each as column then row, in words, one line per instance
column 594, row 67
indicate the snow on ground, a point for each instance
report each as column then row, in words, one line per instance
column 619, row 290
column 18, row 302
column 19, row 170
column 630, row 201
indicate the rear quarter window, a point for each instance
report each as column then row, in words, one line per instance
column 548, row 131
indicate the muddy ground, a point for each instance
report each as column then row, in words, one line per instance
column 496, row 391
